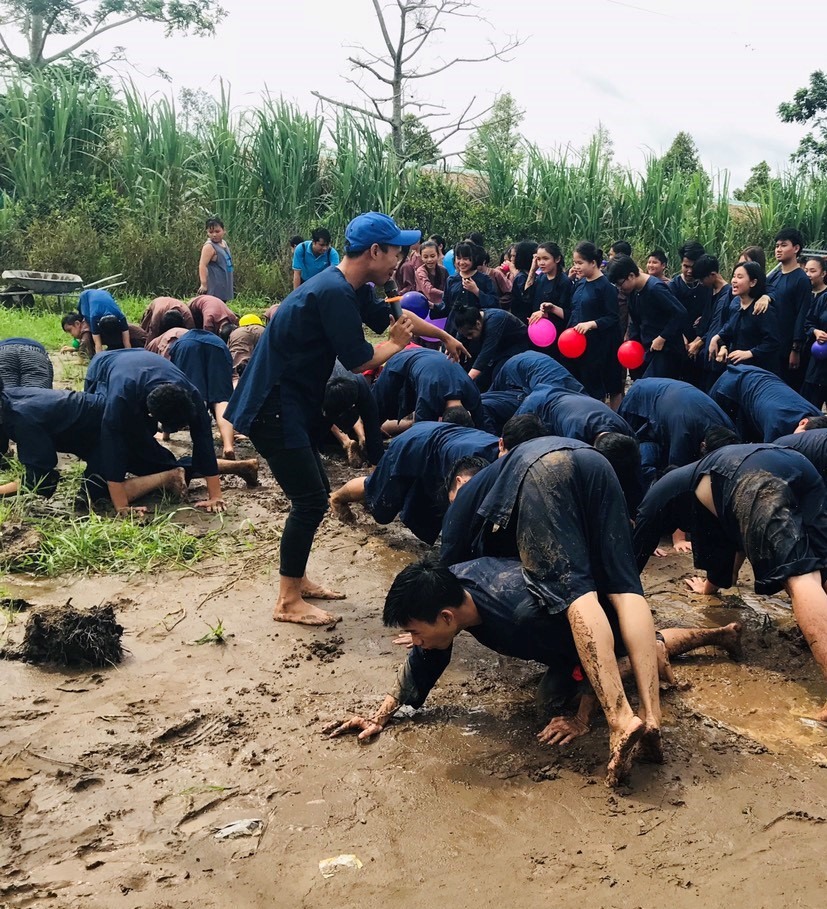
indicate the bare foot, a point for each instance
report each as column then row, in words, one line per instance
column 342, row 511
column 302, row 613
column 176, row 485
column 650, row 747
column 248, row 471
column 622, row 745
column 229, row 454
column 354, row 454
column 731, row 641
column 317, row 592
column 665, row 673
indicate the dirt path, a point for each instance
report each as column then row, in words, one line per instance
column 112, row 783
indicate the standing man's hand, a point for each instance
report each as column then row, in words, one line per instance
column 456, row 350
column 401, row 332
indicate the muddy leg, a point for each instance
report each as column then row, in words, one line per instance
column 225, row 430
column 340, row 501
column 682, row 640
column 595, row 646
column 810, row 611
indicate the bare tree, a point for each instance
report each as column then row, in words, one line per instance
column 407, row 26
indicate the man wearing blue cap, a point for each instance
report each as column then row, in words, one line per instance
column 279, row 399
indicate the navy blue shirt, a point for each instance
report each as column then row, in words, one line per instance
column 503, row 336
column 596, row 301
column 812, row 443
column 791, row 294
column 816, row 318
column 125, row 378
column 420, row 381
column 409, row 481
column 558, row 290
column 674, row 415
column 455, row 296
column 513, row 623
column 757, row 333
column 573, row 416
column 207, row 362
column 45, row 421
column 499, row 407
column 318, row 322
column 531, row 369
column 761, row 404
column 656, row 312
column 694, row 299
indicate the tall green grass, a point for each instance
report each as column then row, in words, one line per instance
column 97, row 181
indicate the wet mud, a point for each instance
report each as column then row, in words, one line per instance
column 113, row 782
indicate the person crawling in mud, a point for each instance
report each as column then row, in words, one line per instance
column 490, row 600
column 760, row 502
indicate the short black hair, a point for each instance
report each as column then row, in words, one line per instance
column 172, row 318
column 622, row 452
column 816, row 422
column 468, row 250
column 621, row 268
column 477, row 238
column 467, row 316
column 793, row 235
column 320, row 233
column 458, row 416
column 470, row 465
column 524, row 254
column 658, row 254
column 109, row 329
column 171, row 405
column 214, row 222
column 420, row 592
column 522, row 428
column 705, row 266
column 340, row 394
column 71, row 318
column 621, row 248
column 719, row 437
column 351, row 253
column 691, row 250
column 295, row 240
column 439, row 240
column 225, row 330
column 756, row 254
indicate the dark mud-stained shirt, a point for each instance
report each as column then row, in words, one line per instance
column 573, row 416
column 420, row 381
column 154, row 315
column 531, row 369
column 125, row 378
column 513, row 623
column 674, row 415
column 761, row 404
column 410, row 479
column 318, row 322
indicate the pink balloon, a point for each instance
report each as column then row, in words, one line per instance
column 542, row 333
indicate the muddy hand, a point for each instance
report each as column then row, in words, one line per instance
column 367, row 729
column 562, row 730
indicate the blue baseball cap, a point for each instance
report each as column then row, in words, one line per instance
column 374, row 227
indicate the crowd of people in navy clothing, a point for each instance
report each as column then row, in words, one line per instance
column 548, row 465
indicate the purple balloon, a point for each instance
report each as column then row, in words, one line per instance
column 416, row 303
column 437, row 323
column 819, row 350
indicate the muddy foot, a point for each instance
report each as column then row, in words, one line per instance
column 732, row 641
column 342, row 511
column 249, row 473
column 176, row 485
column 317, row 592
column 354, row 455
column 622, row 752
column 650, row 747
column 229, row 454
column 665, row 673
column 305, row 614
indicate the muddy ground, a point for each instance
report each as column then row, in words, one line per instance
column 113, row 782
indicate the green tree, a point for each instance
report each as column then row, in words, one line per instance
column 809, row 106
column 757, row 185
column 417, row 143
column 681, row 157
column 498, row 135
column 67, row 27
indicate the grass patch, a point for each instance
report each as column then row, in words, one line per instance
column 216, row 635
column 42, row 321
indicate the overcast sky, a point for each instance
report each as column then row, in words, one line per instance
column 645, row 69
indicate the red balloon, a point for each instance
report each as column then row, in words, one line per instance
column 572, row 344
column 631, row 354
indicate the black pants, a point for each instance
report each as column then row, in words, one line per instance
column 302, row 477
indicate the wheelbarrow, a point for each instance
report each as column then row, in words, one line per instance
column 22, row 286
